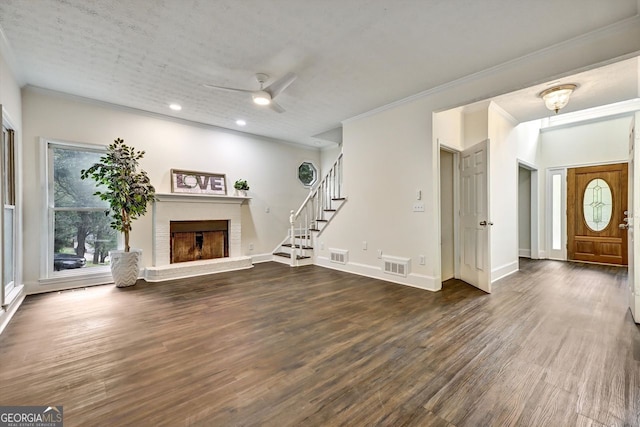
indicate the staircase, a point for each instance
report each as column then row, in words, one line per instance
column 306, row 224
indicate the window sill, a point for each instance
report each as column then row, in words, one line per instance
column 13, row 295
column 75, row 279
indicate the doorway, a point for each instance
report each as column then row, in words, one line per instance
column 447, row 215
column 524, row 212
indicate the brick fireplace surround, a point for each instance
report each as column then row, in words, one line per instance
column 194, row 207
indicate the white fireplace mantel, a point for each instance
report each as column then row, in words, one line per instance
column 199, row 198
column 201, row 207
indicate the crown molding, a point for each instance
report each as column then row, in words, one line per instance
column 631, row 23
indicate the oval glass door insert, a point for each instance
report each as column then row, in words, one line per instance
column 597, row 204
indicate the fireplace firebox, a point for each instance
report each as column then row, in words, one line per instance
column 198, row 240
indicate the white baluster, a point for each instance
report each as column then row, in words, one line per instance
column 293, row 237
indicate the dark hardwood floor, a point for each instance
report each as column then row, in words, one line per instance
column 554, row 345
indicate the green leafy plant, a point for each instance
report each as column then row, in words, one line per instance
column 241, row 184
column 128, row 190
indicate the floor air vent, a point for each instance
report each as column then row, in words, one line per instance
column 396, row 266
column 338, row 256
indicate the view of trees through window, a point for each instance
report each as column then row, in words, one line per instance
column 82, row 235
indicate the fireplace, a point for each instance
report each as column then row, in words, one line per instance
column 198, row 240
column 224, row 211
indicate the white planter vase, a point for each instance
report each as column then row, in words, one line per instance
column 125, row 267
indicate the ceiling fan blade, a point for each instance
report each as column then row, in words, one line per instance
column 228, row 89
column 281, row 84
column 276, row 107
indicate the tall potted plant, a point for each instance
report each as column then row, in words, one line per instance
column 128, row 191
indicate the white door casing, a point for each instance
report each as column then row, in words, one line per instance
column 475, row 225
column 632, row 219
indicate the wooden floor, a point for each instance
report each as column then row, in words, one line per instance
column 554, row 345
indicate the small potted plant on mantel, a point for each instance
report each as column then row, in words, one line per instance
column 242, row 187
column 128, row 192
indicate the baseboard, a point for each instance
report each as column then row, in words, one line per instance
column 420, row 281
column 7, row 313
column 525, row 253
column 257, row 259
column 504, row 271
column 69, row 282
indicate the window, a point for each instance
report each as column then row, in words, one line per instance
column 9, row 215
column 556, row 214
column 80, row 236
column 307, row 174
column 597, row 204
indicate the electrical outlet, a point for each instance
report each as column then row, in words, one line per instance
column 423, row 260
column 418, row 207
column 322, row 246
column 364, row 245
column 379, row 253
column 267, row 209
column 250, row 246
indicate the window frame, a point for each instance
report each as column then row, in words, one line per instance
column 9, row 185
column 316, row 177
column 48, row 221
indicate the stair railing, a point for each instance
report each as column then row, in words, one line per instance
column 313, row 210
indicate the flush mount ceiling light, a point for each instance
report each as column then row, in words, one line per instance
column 557, row 97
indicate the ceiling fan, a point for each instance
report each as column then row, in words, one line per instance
column 265, row 95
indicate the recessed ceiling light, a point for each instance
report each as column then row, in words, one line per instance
column 175, row 107
column 240, row 122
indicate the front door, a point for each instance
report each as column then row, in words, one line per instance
column 596, row 206
column 474, row 216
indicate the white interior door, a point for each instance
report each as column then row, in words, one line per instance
column 474, row 216
column 633, row 218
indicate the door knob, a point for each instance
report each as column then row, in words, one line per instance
column 485, row 223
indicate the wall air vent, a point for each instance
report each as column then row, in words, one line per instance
column 339, row 256
column 396, row 266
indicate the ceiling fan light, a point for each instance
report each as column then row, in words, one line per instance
column 557, row 97
column 261, row 98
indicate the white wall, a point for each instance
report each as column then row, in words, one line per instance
column 475, row 124
column 328, row 156
column 270, row 167
column 503, row 204
column 448, row 128
column 601, row 141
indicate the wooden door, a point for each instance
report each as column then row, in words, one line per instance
column 474, row 216
column 596, row 206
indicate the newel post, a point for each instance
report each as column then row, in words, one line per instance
column 292, row 221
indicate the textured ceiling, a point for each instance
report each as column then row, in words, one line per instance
column 351, row 56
